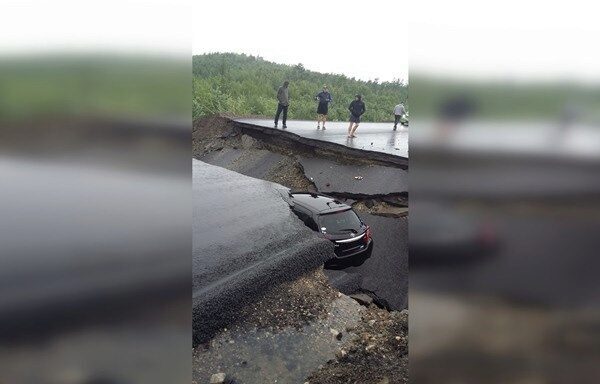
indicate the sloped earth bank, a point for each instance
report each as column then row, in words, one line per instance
column 304, row 330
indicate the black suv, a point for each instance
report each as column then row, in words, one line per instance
column 335, row 221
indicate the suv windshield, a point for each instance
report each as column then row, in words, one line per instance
column 345, row 221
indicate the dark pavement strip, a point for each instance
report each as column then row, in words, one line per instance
column 372, row 180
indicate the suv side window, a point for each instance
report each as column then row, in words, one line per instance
column 300, row 212
column 306, row 217
column 311, row 224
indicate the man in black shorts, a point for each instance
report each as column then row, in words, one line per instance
column 357, row 109
column 324, row 98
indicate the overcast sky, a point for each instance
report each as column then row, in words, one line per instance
column 92, row 26
column 363, row 39
column 523, row 40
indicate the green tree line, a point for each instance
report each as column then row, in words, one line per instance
column 59, row 85
column 247, row 85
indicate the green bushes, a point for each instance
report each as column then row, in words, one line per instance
column 247, row 85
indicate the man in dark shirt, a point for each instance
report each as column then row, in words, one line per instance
column 283, row 99
column 324, row 98
column 357, row 109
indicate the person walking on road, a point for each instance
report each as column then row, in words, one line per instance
column 399, row 111
column 324, row 98
column 283, row 98
column 357, row 109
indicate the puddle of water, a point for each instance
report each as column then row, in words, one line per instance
column 253, row 355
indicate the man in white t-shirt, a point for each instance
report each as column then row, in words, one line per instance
column 399, row 111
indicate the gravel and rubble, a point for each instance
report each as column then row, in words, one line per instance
column 306, row 328
column 380, row 208
column 291, row 304
column 379, row 353
column 290, row 331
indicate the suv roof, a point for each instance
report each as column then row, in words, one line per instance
column 319, row 203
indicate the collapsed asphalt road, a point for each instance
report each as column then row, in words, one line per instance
column 374, row 183
column 245, row 239
column 264, row 311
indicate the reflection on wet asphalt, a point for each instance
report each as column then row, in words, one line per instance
column 378, row 137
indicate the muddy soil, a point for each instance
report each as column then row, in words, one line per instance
column 379, row 354
column 306, row 331
column 291, row 304
column 380, row 208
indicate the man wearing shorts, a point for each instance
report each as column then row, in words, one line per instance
column 357, row 109
column 324, row 98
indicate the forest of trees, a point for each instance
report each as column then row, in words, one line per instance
column 247, row 85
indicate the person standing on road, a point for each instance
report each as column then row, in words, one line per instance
column 324, row 98
column 357, row 109
column 283, row 98
column 399, row 111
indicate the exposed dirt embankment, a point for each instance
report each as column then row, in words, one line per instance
column 379, row 353
column 324, row 149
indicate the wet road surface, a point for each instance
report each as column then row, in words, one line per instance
column 379, row 137
column 371, row 180
column 245, row 238
column 385, row 273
